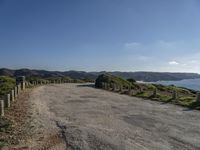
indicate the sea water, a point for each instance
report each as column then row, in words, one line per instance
column 187, row 83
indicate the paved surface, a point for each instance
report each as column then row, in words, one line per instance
column 90, row 118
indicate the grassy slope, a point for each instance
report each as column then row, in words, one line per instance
column 185, row 97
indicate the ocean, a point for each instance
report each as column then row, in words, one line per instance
column 187, row 83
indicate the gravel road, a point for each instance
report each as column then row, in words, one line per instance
column 90, row 119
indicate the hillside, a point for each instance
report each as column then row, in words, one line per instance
column 156, row 76
column 140, row 76
column 184, row 97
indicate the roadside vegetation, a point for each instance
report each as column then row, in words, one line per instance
column 157, row 92
column 6, row 85
column 57, row 79
column 108, row 78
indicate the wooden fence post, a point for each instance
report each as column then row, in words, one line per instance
column 121, row 88
column 23, row 85
column 26, row 85
column 154, row 92
column 129, row 90
column 16, row 92
column 114, row 87
column 198, row 97
column 7, row 101
column 18, row 88
column 118, row 88
column 141, row 90
column 103, row 85
column 21, row 80
column 1, row 108
column 107, row 86
column 174, row 95
column 12, row 95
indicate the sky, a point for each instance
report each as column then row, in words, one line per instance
column 100, row 35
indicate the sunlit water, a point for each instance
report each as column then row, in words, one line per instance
column 187, row 83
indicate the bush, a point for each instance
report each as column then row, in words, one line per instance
column 150, row 86
column 131, row 80
column 6, row 84
column 185, row 101
column 108, row 78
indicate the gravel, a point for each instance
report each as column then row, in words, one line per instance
column 90, row 118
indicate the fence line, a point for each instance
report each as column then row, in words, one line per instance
column 127, row 90
column 21, row 85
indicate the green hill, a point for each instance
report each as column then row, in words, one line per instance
column 139, row 76
column 110, row 79
column 184, row 97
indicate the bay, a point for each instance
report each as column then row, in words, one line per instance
column 187, row 83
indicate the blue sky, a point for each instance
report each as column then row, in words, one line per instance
column 96, row 35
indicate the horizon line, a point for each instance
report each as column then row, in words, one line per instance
column 35, row 69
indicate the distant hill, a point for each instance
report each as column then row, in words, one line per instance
column 156, row 76
column 139, row 76
column 47, row 74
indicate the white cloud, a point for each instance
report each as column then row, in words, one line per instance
column 173, row 63
column 178, row 56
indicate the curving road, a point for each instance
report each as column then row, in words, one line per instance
column 90, row 118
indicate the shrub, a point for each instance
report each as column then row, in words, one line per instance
column 131, row 80
column 150, row 86
column 108, row 78
column 6, row 84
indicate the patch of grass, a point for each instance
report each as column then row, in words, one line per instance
column 165, row 88
column 160, row 87
column 149, row 86
column 158, row 97
column 182, row 90
column 143, row 94
column 195, row 105
column 172, row 88
column 135, row 86
column 185, row 101
column 162, row 98
column 188, row 99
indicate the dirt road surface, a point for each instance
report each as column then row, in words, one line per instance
column 89, row 119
